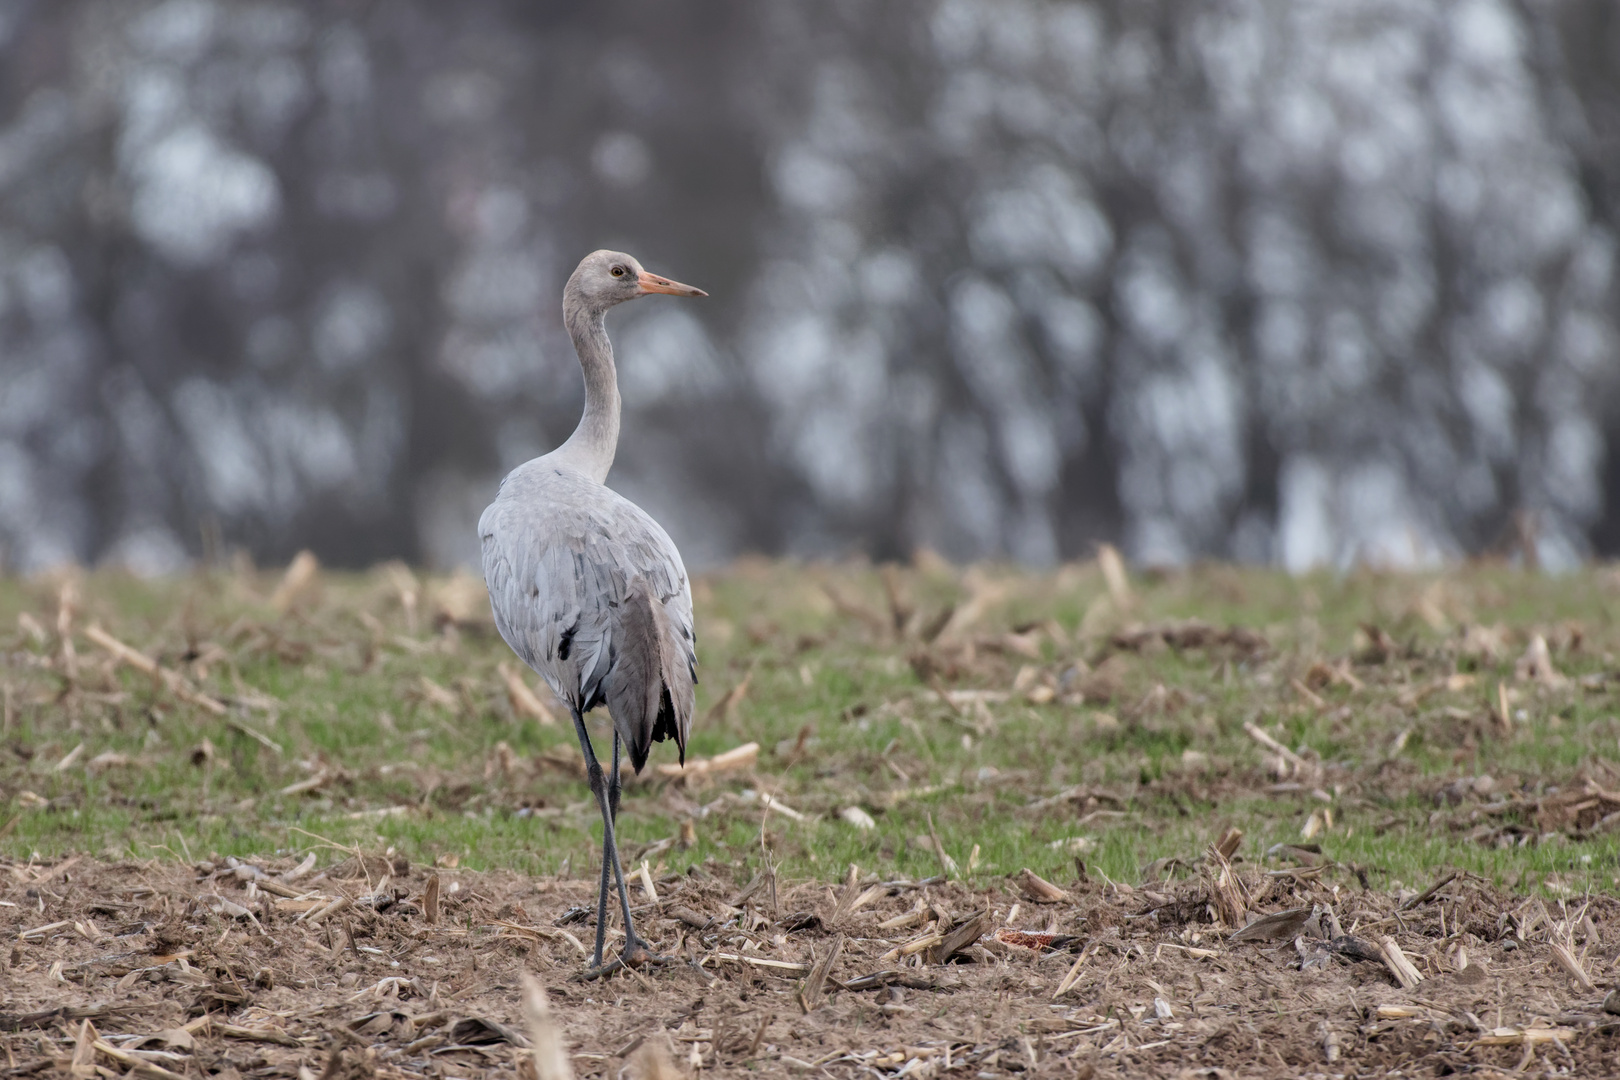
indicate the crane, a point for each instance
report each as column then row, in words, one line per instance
column 587, row 588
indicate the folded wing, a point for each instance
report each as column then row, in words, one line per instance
column 590, row 592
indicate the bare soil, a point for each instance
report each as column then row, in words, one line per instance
column 209, row 970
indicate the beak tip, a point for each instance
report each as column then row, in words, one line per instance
column 652, row 283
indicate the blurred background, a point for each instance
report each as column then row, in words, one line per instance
column 1320, row 282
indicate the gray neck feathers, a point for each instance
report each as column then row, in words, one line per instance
column 590, row 448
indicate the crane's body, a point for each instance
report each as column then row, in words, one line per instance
column 586, row 587
column 590, row 592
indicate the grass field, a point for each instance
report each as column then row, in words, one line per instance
column 1012, row 819
column 1024, row 719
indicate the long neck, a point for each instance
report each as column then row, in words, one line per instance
column 590, row 448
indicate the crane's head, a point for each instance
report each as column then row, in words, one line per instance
column 605, row 278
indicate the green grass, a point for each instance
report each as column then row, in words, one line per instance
column 844, row 718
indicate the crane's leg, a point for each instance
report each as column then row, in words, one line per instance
column 602, row 905
column 607, row 856
column 615, row 780
column 593, row 771
column 636, row 952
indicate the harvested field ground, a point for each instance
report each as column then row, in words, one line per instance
column 995, row 824
column 141, row 950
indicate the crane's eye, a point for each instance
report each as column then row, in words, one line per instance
column 618, row 271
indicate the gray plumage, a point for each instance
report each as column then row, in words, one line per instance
column 590, row 592
column 587, row 588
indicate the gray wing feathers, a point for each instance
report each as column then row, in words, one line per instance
column 648, row 680
column 591, row 594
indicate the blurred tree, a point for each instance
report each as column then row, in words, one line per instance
column 1318, row 282
column 1309, row 282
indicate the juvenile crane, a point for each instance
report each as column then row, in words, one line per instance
column 586, row 587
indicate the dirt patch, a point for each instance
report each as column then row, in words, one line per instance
column 253, row 969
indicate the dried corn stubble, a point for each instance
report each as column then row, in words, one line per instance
column 480, row 968
column 816, row 981
column 525, row 702
column 1228, row 898
column 834, row 779
column 1040, row 890
column 1279, row 926
column 550, row 1053
column 1536, row 665
column 297, row 581
column 1399, row 965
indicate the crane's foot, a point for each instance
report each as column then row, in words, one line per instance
column 636, row 955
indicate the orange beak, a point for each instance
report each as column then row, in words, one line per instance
column 652, row 283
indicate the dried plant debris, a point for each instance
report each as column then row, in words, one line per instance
column 1279, row 926
column 180, row 982
column 1106, row 824
column 1190, row 634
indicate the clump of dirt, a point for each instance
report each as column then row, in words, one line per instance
column 267, row 968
